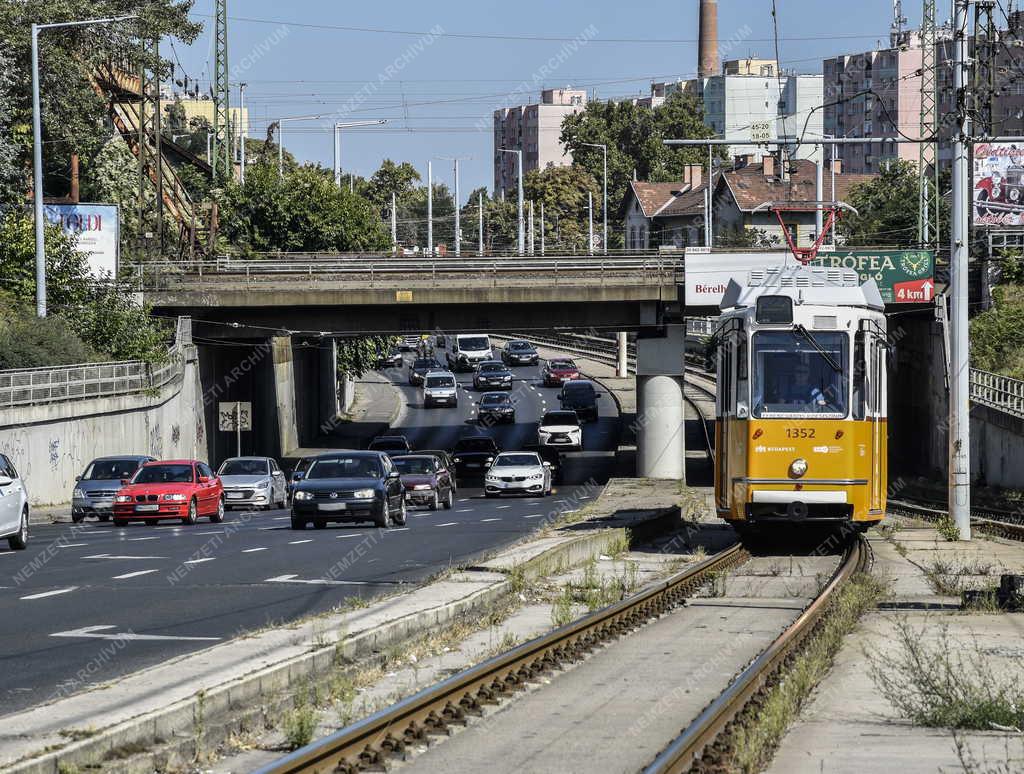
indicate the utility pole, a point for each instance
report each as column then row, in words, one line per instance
column 337, row 148
column 243, row 130
column 430, row 207
column 604, row 185
column 480, row 213
column 542, row 227
column 531, row 242
column 458, row 224
column 221, row 90
column 590, row 223
column 522, row 226
column 959, row 367
column 394, row 220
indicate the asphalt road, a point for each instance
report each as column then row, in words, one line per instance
column 176, row 589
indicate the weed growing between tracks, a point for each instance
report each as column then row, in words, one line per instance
column 946, row 684
column 949, row 577
column 754, row 741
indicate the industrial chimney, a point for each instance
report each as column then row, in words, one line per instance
column 707, row 53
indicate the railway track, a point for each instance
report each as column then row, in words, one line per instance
column 992, row 521
column 370, row 743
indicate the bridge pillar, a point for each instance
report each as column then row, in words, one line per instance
column 621, row 365
column 661, row 447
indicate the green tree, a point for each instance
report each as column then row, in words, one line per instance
column 28, row 342
column 391, row 178
column 997, row 335
column 887, row 209
column 564, row 193
column 501, row 222
column 303, row 211
column 67, row 270
column 11, row 182
column 634, row 136
column 412, row 216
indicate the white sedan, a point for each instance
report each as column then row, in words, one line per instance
column 13, row 506
column 518, row 473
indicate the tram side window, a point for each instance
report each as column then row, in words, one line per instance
column 795, row 375
column 860, row 370
column 725, row 378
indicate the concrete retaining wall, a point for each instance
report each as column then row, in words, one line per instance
column 997, row 448
column 52, row 443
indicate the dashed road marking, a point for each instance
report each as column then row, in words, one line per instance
column 252, row 550
column 464, row 510
column 533, row 516
column 398, row 529
column 355, row 534
column 298, row 542
column 484, row 520
column 216, row 532
column 118, row 556
column 199, row 561
column 135, row 574
column 135, row 540
column 501, row 507
column 53, row 593
column 66, row 545
column 447, row 524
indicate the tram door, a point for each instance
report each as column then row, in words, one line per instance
column 730, row 350
column 872, row 351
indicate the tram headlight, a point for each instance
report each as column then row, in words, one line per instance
column 798, row 467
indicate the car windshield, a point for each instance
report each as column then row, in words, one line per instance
column 303, row 465
column 164, row 474
column 519, row 346
column 441, row 381
column 516, row 460
column 491, row 368
column 475, row 445
column 562, row 364
column 110, row 470
column 560, row 418
column 387, row 444
column 578, row 390
column 244, row 468
column 791, row 375
column 416, row 465
column 344, row 467
column 473, row 343
column 501, row 399
column 425, row 364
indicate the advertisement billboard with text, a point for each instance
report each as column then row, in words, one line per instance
column 999, row 184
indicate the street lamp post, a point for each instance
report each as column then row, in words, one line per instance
column 37, row 151
column 243, row 130
column 522, row 223
column 604, row 205
column 280, row 138
column 337, row 145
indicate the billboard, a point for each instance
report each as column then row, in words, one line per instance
column 999, row 184
column 97, row 228
column 902, row 276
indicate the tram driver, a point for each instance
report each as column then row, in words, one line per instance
column 800, row 390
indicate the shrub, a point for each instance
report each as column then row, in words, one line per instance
column 28, row 342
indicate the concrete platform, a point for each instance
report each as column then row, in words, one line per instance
column 849, row 727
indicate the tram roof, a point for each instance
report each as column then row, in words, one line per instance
column 816, row 285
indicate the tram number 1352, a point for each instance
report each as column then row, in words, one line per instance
column 800, row 432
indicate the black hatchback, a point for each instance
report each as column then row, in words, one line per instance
column 420, row 366
column 349, row 486
column 473, row 455
column 580, row 396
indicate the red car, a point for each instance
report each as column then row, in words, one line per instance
column 559, row 370
column 170, row 489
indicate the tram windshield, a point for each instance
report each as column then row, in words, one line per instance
column 793, row 376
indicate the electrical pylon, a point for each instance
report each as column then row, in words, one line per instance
column 221, row 152
column 928, row 200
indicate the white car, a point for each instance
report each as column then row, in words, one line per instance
column 518, row 473
column 440, row 389
column 13, row 506
column 253, row 482
column 560, row 430
column 466, row 351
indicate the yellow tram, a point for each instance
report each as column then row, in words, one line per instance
column 801, row 407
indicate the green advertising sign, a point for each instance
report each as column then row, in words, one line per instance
column 903, row 276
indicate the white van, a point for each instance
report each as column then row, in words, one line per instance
column 468, row 350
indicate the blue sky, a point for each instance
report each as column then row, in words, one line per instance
column 438, row 91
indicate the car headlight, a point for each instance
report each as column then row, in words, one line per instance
column 123, row 499
column 456, row 459
column 422, row 487
column 78, row 494
column 798, row 467
column 264, row 484
column 364, row 494
column 489, row 460
column 175, row 498
column 300, row 495
column 536, row 476
column 491, row 477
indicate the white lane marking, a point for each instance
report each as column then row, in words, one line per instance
column 199, row 561
column 466, row 500
column 134, row 540
column 135, row 574
column 298, row 542
column 464, row 510
column 53, row 593
column 93, row 532
column 501, row 507
column 69, row 545
column 252, row 550
column 354, row 534
column 216, row 532
column 484, row 520
column 574, row 510
column 447, row 524
column 281, row 518
column 316, row 581
column 533, row 516
column 398, row 529
column 118, row 556
column 264, row 529
column 95, row 633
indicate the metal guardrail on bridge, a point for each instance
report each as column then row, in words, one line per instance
column 351, row 268
column 1002, row 393
column 33, row 386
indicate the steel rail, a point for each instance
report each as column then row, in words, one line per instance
column 368, row 743
column 994, row 521
column 703, row 739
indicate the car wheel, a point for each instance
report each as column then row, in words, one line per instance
column 298, row 523
column 19, row 540
column 436, row 502
column 383, row 521
column 192, row 513
column 218, row 517
column 449, row 501
column 77, row 518
column 320, row 523
column 402, row 514
column 104, row 517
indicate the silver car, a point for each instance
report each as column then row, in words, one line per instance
column 13, row 506
column 253, row 482
column 96, row 488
